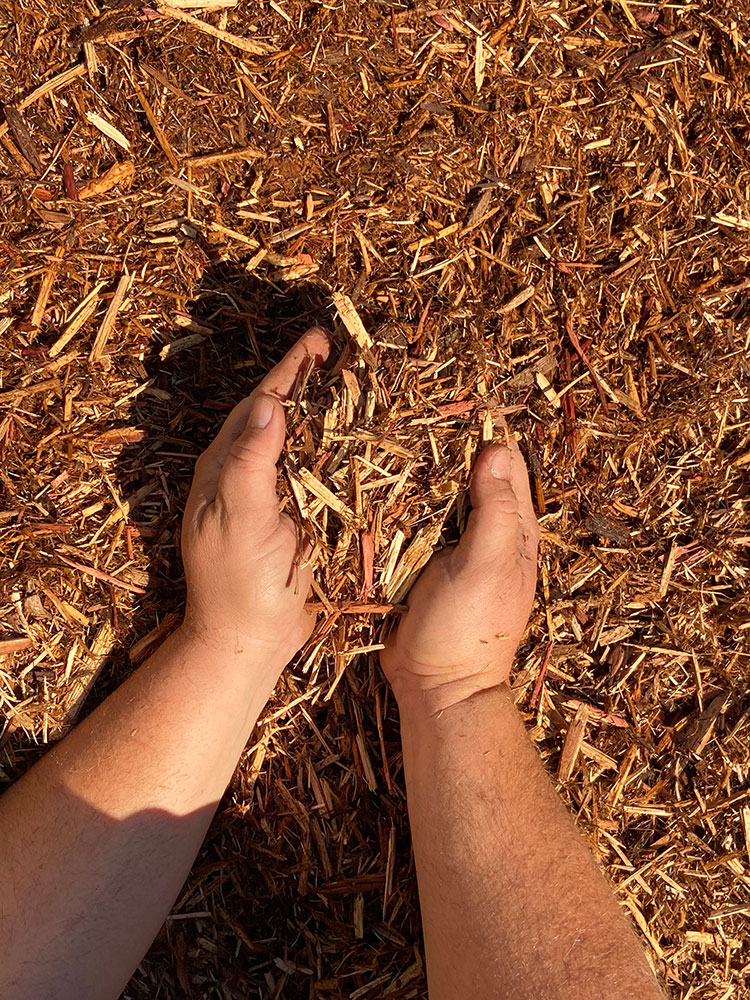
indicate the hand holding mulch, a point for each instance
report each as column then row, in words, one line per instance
column 469, row 608
column 240, row 552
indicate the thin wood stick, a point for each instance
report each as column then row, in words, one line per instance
column 55, row 83
column 253, row 48
column 161, row 137
column 44, row 290
column 101, row 575
column 209, row 159
column 110, row 317
column 572, row 745
column 85, row 677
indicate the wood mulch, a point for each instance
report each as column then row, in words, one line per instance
column 533, row 209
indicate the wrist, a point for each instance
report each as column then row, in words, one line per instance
column 437, row 685
column 418, row 698
column 231, row 646
column 468, row 723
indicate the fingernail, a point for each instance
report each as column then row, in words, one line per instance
column 500, row 464
column 261, row 412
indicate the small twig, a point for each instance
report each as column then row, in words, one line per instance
column 254, row 48
column 100, row 575
column 582, row 355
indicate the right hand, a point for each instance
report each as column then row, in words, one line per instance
column 469, row 608
column 246, row 572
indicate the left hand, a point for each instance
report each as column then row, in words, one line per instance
column 246, row 574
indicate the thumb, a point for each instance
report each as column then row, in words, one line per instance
column 248, row 477
column 492, row 533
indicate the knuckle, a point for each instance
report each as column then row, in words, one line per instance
column 246, row 451
column 532, row 530
column 505, row 503
column 288, row 525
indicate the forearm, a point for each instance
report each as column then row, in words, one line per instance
column 512, row 902
column 106, row 826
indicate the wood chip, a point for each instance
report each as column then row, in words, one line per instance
column 314, row 486
column 108, row 129
column 10, row 645
column 85, row 675
column 110, row 318
column 412, row 562
column 80, row 316
column 211, row 159
column 45, row 288
column 350, row 318
column 119, row 174
column 573, row 742
column 518, row 300
column 246, row 44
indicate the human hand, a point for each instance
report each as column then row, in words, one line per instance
column 469, row 608
column 246, row 576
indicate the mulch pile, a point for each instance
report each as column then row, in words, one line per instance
column 537, row 210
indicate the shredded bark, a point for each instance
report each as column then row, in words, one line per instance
column 532, row 211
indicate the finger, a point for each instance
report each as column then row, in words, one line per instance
column 248, row 476
column 279, row 382
column 493, row 530
column 521, row 482
column 313, row 348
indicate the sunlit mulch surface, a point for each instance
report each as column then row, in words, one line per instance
column 536, row 210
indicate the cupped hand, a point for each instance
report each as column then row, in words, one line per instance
column 247, row 578
column 469, row 608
